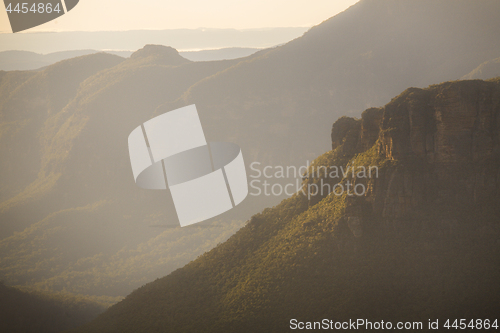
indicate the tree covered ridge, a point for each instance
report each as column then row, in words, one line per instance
column 418, row 256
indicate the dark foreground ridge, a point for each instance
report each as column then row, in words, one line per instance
column 421, row 243
column 28, row 311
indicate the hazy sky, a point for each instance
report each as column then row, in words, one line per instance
column 95, row 15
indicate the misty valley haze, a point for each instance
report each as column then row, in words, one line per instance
column 181, row 39
column 375, row 86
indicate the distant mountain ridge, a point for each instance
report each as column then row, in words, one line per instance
column 181, row 39
column 355, row 60
column 25, row 60
column 73, row 226
column 487, row 70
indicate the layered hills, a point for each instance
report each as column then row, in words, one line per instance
column 25, row 60
column 420, row 243
column 68, row 200
column 73, row 236
column 280, row 104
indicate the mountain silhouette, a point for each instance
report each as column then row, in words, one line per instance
column 25, row 60
column 487, row 70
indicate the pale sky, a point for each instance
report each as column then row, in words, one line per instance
column 106, row 15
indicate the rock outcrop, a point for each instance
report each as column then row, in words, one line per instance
column 159, row 55
column 441, row 148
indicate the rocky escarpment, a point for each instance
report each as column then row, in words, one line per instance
column 437, row 150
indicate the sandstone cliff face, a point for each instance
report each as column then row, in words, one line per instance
column 441, row 151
